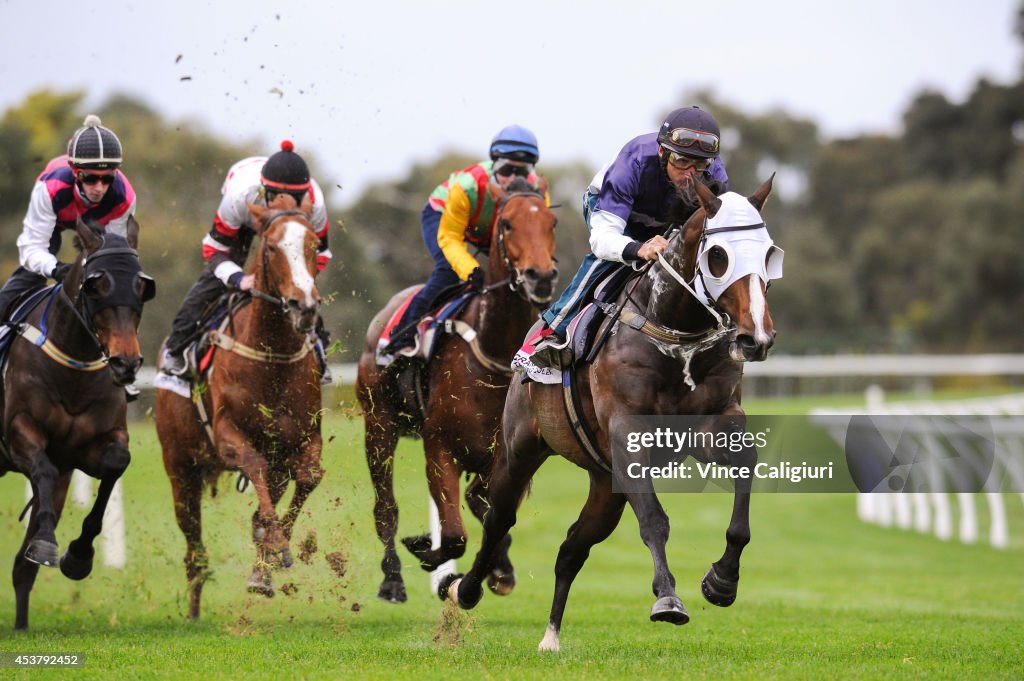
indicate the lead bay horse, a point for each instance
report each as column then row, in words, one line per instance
column 671, row 353
column 262, row 399
column 64, row 405
column 466, row 383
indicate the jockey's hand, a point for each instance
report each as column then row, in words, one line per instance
column 243, row 282
column 476, row 279
column 652, row 247
column 60, row 271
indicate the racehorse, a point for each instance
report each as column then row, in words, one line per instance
column 466, row 381
column 677, row 348
column 261, row 408
column 64, row 405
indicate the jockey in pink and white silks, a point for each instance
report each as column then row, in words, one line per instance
column 85, row 183
column 255, row 180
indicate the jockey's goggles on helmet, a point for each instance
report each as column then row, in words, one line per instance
column 683, row 162
column 504, row 168
column 685, row 137
column 92, row 178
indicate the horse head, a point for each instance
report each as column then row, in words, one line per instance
column 286, row 268
column 524, row 239
column 108, row 288
column 730, row 259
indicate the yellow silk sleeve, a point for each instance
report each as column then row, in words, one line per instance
column 451, row 233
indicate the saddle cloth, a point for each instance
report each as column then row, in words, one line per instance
column 426, row 330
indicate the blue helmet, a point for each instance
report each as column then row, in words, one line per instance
column 515, row 142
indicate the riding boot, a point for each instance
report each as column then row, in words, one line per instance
column 326, row 378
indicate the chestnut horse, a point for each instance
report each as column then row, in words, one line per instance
column 64, row 405
column 466, row 384
column 685, row 329
column 262, row 402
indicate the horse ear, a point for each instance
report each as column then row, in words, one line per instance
column 495, row 191
column 542, row 185
column 758, row 198
column 89, row 238
column 133, row 232
column 260, row 213
column 708, row 201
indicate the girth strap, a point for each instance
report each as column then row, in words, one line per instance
column 574, row 413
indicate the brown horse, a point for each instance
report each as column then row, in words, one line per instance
column 466, row 383
column 671, row 353
column 64, row 405
column 262, row 400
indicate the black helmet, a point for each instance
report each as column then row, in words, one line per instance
column 691, row 131
column 285, row 171
column 94, row 147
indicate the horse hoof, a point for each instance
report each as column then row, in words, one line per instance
column 76, row 567
column 286, row 558
column 260, row 584
column 669, row 609
column 418, row 545
column 392, row 591
column 717, row 590
column 501, row 583
column 448, row 588
column 42, row 552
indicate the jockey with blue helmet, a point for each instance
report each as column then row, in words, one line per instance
column 459, row 212
column 628, row 203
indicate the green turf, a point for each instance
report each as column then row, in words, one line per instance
column 822, row 595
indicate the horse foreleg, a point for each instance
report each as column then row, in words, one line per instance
column 307, row 473
column 654, row 530
column 25, row 571
column 381, row 439
column 599, row 517
column 76, row 563
column 28, row 450
column 722, row 579
column 502, row 578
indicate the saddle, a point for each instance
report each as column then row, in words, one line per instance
column 21, row 308
column 543, row 356
column 441, row 320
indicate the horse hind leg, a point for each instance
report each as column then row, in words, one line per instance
column 76, row 563
column 600, row 516
column 380, row 440
column 502, row 578
column 654, row 530
column 25, row 570
column 187, row 488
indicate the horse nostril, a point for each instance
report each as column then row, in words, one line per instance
column 530, row 272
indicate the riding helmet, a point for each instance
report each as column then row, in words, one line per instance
column 516, row 143
column 94, row 147
column 699, row 128
column 285, row 171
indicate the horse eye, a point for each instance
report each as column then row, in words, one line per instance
column 718, row 261
column 505, row 225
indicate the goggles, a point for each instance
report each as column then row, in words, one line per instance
column 507, row 170
column 685, row 138
column 683, row 162
column 92, row 178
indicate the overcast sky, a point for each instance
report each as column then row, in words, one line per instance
column 366, row 88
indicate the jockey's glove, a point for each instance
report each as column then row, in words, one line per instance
column 476, row 280
column 235, row 280
column 60, row 271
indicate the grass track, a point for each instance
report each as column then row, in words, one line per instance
column 822, row 595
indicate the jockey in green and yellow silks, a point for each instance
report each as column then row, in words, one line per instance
column 461, row 210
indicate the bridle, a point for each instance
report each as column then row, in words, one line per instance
column 275, row 298
column 516, row 278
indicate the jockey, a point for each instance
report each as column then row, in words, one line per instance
column 255, row 180
column 461, row 210
column 627, row 204
column 85, row 183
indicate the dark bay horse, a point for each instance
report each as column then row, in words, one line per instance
column 677, row 349
column 466, row 383
column 64, row 405
column 262, row 402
